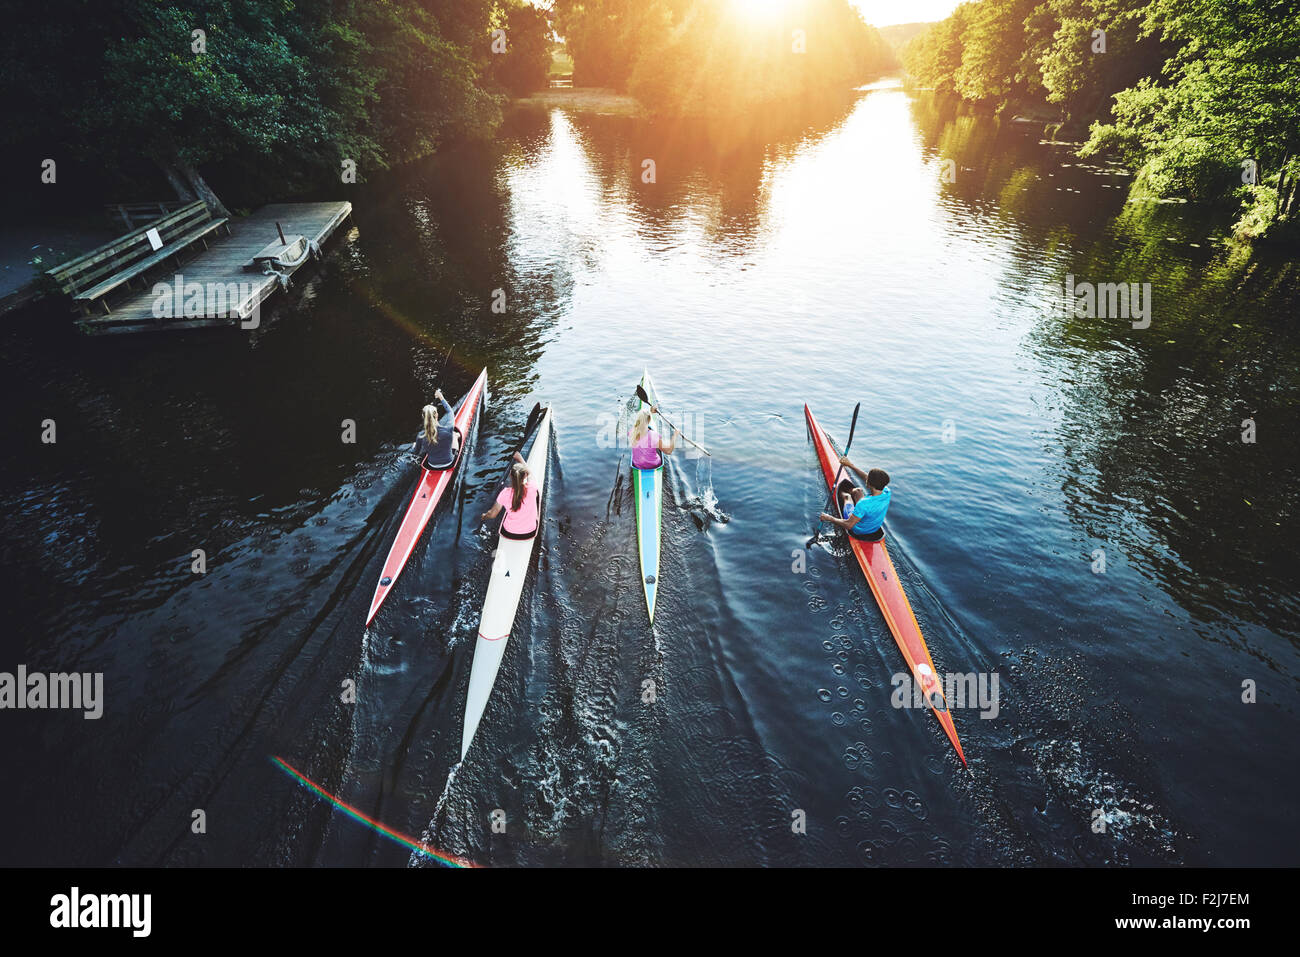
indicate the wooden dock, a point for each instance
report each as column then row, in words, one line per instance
column 213, row 289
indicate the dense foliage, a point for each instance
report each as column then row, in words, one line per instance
column 1074, row 54
column 711, row 56
column 525, row 64
column 282, row 89
column 1185, row 91
column 1223, row 116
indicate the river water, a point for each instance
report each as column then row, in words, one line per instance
column 882, row 252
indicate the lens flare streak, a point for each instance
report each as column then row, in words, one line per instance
column 442, row 857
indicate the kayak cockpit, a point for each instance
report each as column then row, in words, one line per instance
column 424, row 462
column 846, row 487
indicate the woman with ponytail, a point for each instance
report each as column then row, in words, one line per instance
column 437, row 445
column 648, row 446
column 520, row 500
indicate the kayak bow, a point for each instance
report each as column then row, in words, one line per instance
column 428, row 492
column 647, row 486
column 500, row 604
column 873, row 557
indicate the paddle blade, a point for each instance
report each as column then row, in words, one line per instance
column 533, row 418
column 531, row 426
column 853, row 427
column 830, row 501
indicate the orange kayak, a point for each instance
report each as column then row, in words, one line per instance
column 874, row 559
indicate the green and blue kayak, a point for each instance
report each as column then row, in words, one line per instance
column 647, row 485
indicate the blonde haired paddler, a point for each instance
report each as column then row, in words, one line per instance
column 520, row 499
column 438, row 445
column 647, row 444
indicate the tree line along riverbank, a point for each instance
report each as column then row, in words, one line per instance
column 247, row 101
column 1198, row 99
column 243, row 102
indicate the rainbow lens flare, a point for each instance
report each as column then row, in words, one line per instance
column 442, row 857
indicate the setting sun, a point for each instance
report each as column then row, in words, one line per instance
column 877, row 12
column 760, row 9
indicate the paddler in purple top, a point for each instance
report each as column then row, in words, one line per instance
column 647, row 444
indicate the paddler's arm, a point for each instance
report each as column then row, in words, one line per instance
column 672, row 443
column 844, row 460
column 844, row 523
column 491, row 513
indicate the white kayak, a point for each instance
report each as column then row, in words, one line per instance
column 509, row 572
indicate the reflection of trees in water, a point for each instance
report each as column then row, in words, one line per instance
column 433, row 240
column 1151, row 427
column 1150, row 419
column 452, row 213
column 1002, row 169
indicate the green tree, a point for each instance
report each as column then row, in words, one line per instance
column 991, row 61
column 524, row 65
column 277, row 90
column 1072, row 54
column 428, row 85
column 933, row 58
column 1088, row 50
column 182, row 101
column 1226, row 107
column 709, row 56
column 603, row 35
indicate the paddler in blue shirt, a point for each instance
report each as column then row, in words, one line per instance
column 864, row 512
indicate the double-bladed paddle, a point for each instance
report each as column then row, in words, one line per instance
column 832, row 505
column 640, row 394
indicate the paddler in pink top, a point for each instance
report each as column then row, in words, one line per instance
column 647, row 444
column 520, row 500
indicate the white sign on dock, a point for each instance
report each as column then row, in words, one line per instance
column 154, row 239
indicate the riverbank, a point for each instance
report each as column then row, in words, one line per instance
column 600, row 100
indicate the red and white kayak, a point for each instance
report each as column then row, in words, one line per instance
column 428, row 493
column 873, row 557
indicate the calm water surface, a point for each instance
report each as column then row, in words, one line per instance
column 830, row 264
